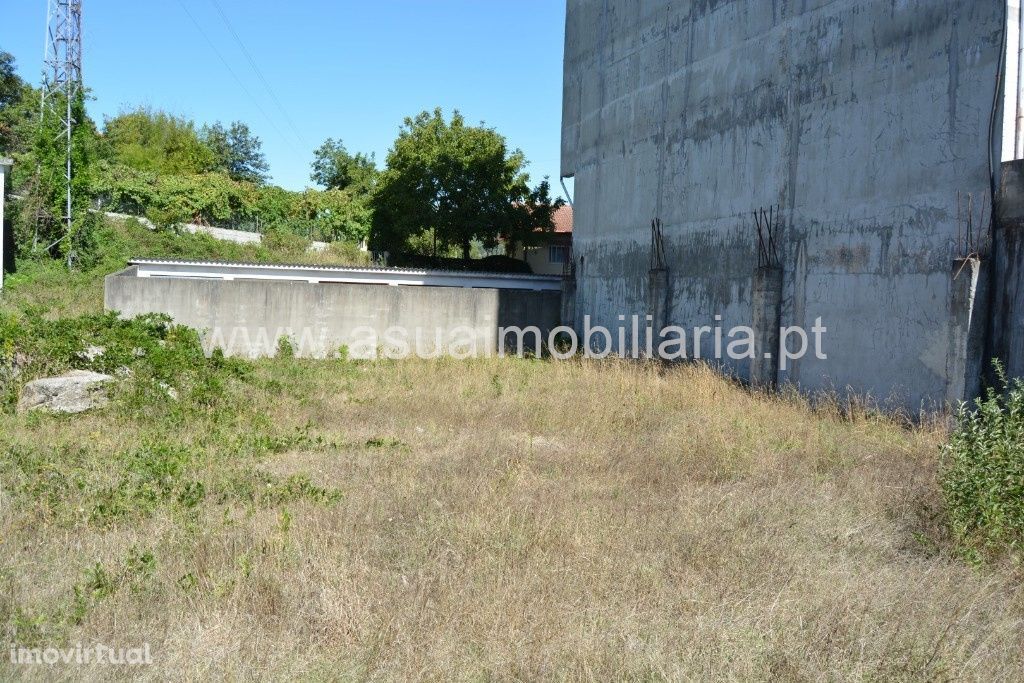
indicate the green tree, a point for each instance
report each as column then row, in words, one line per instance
column 236, row 152
column 49, row 194
column 532, row 223
column 10, row 83
column 461, row 183
column 336, row 169
column 153, row 140
column 19, row 109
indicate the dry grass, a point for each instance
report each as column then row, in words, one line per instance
column 520, row 520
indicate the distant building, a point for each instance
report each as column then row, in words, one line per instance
column 555, row 257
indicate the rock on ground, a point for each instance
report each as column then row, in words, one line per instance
column 73, row 392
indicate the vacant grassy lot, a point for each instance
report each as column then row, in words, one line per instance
column 505, row 520
column 484, row 520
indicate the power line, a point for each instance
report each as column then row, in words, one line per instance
column 230, row 70
column 258, row 72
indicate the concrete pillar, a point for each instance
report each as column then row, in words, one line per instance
column 5, row 170
column 657, row 302
column 1006, row 325
column 766, row 302
column 568, row 308
column 968, row 318
column 1006, row 276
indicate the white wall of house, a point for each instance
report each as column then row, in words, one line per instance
column 546, row 260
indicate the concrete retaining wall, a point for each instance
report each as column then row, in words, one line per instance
column 860, row 119
column 248, row 317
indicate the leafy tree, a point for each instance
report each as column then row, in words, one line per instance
column 49, row 194
column 19, row 109
column 532, row 222
column 336, row 169
column 236, row 152
column 461, row 183
column 153, row 140
column 10, row 83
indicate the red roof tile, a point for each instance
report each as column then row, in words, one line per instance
column 563, row 219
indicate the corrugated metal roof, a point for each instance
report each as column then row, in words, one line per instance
column 226, row 270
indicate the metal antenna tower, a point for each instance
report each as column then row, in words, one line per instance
column 62, row 77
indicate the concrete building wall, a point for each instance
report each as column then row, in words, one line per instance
column 1006, row 326
column 1013, row 57
column 247, row 317
column 859, row 119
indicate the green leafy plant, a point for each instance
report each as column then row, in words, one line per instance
column 983, row 473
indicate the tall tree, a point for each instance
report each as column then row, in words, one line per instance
column 10, row 83
column 19, row 109
column 153, row 140
column 336, row 169
column 236, row 151
column 459, row 182
column 532, row 222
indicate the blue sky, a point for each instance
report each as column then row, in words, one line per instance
column 339, row 68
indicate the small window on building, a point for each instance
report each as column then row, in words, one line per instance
column 558, row 253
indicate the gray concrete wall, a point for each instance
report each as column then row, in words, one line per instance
column 860, row 118
column 1006, row 328
column 247, row 317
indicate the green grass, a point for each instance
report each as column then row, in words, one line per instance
column 493, row 519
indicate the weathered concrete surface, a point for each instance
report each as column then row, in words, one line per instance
column 969, row 305
column 766, row 305
column 1006, row 325
column 73, row 392
column 860, row 118
column 657, row 302
column 248, row 317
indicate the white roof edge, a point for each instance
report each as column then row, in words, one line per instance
column 348, row 269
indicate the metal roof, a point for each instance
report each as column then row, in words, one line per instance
column 219, row 270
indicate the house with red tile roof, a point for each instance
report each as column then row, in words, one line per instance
column 554, row 257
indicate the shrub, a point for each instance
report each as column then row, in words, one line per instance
column 149, row 348
column 216, row 199
column 983, row 474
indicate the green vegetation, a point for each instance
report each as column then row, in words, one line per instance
column 336, row 169
column 448, row 189
column 983, row 476
column 448, row 184
column 155, row 141
column 45, row 284
column 237, row 153
column 19, row 113
column 285, row 518
column 451, row 519
column 152, row 163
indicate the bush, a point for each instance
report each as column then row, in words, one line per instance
column 983, row 474
column 216, row 199
column 348, row 252
column 150, row 349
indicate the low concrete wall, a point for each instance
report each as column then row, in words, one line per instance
column 248, row 317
